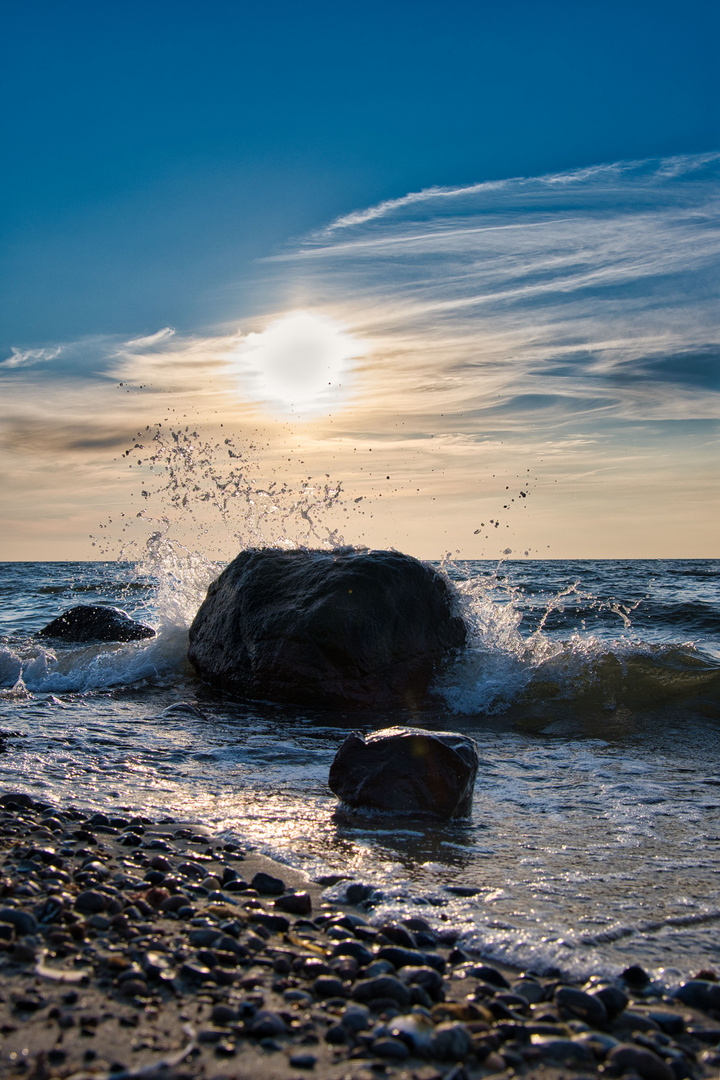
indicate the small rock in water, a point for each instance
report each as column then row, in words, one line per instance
column 407, row 770
column 91, row 622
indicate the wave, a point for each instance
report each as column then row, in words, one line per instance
column 96, row 667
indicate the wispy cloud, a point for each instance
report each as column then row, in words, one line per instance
column 585, row 293
column 29, row 357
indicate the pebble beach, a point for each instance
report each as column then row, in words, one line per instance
column 139, row 948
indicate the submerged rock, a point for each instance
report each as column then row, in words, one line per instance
column 91, row 622
column 346, row 627
column 407, row 770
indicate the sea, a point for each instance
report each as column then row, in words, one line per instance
column 592, row 689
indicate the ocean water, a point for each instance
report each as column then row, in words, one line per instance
column 591, row 688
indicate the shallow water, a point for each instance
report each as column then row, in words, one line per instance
column 590, row 687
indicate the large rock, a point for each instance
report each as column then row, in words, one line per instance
column 90, row 622
column 407, row 770
column 346, row 627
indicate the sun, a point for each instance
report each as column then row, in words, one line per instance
column 299, row 364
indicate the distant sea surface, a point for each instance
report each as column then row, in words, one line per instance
column 592, row 689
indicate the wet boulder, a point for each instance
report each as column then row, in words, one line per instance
column 91, row 622
column 348, row 627
column 408, row 771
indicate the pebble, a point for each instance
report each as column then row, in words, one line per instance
column 161, row 931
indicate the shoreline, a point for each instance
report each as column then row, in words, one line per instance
column 130, row 947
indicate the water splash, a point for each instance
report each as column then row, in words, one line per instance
column 202, row 494
column 502, row 667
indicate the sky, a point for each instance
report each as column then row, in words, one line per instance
column 446, row 273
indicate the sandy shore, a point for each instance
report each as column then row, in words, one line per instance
column 133, row 948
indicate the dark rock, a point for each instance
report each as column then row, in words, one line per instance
column 303, row 1061
column 636, row 976
column 399, row 957
column 336, row 1035
column 327, row 986
column 344, row 627
column 428, row 978
column 23, row 921
column 563, row 1050
column 613, row 999
column 268, row 885
column 277, row 924
column 451, row 1042
column 489, row 975
column 223, row 1015
column 382, row 986
column 399, row 935
column 353, row 948
column 587, row 1007
column 13, row 800
column 407, row 770
column 267, row 1025
column 669, row 1022
column 356, row 1018
column 357, row 893
column 90, row 622
column 195, row 972
column 697, row 993
column 298, row 903
column 390, row 1048
column 627, row 1057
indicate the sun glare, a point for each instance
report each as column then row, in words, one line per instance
column 299, row 364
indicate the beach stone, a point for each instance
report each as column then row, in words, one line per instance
column 298, row 903
column 356, row 1018
column 91, row 622
column 428, row 978
column 628, row 1056
column 266, row 1025
column 336, row 1035
column 223, row 1015
column 353, row 948
column 391, row 1048
column 407, row 770
column 697, row 993
column 614, row 1000
column 327, row 986
column 357, row 893
column 489, row 975
column 451, row 1041
column 342, row 627
column 267, row 885
column 563, row 1050
column 23, row 921
column 416, row 1030
column 588, row 1007
column 382, row 986
column 303, row 1061
column 530, row 989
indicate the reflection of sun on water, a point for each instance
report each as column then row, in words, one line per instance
column 299, row 363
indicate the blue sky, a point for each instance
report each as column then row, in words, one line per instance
column 181, row 166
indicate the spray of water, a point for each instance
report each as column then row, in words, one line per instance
column 198, row 494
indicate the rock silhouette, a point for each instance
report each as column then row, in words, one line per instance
column 348, row 627
column 407, row 770
column 91, row 622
